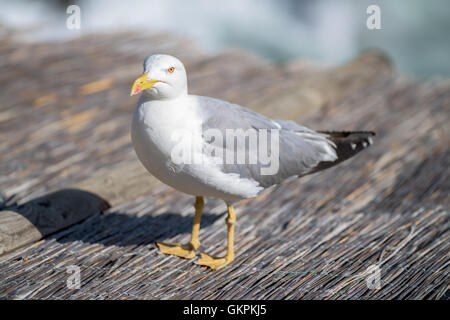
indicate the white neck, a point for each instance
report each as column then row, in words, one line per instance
column 151, row 97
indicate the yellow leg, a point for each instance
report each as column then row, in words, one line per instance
column 186, row 250
column 218, row 262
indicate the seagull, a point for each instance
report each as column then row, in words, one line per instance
column 208, row 147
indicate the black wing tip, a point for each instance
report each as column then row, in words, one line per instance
column 347, row 144
column 345, row 134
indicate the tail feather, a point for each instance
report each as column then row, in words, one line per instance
column 348, row 143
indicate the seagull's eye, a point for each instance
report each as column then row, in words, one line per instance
column 171, row 70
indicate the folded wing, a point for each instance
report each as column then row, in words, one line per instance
column 301, row 150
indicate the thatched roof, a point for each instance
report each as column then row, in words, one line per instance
column 64, row 122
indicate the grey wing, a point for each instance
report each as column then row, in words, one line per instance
column 299, row 149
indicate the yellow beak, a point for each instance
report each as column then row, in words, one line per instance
column 141, row 84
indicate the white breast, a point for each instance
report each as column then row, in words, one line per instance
column 154, row 125
column 153, row 131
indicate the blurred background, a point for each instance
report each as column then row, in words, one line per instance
column 65, row 114
column 414, row 33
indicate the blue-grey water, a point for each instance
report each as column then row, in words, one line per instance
column 415, row 33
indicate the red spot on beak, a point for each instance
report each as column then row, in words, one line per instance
column 137, row 89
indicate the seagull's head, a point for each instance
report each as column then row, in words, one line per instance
column 164, row 78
